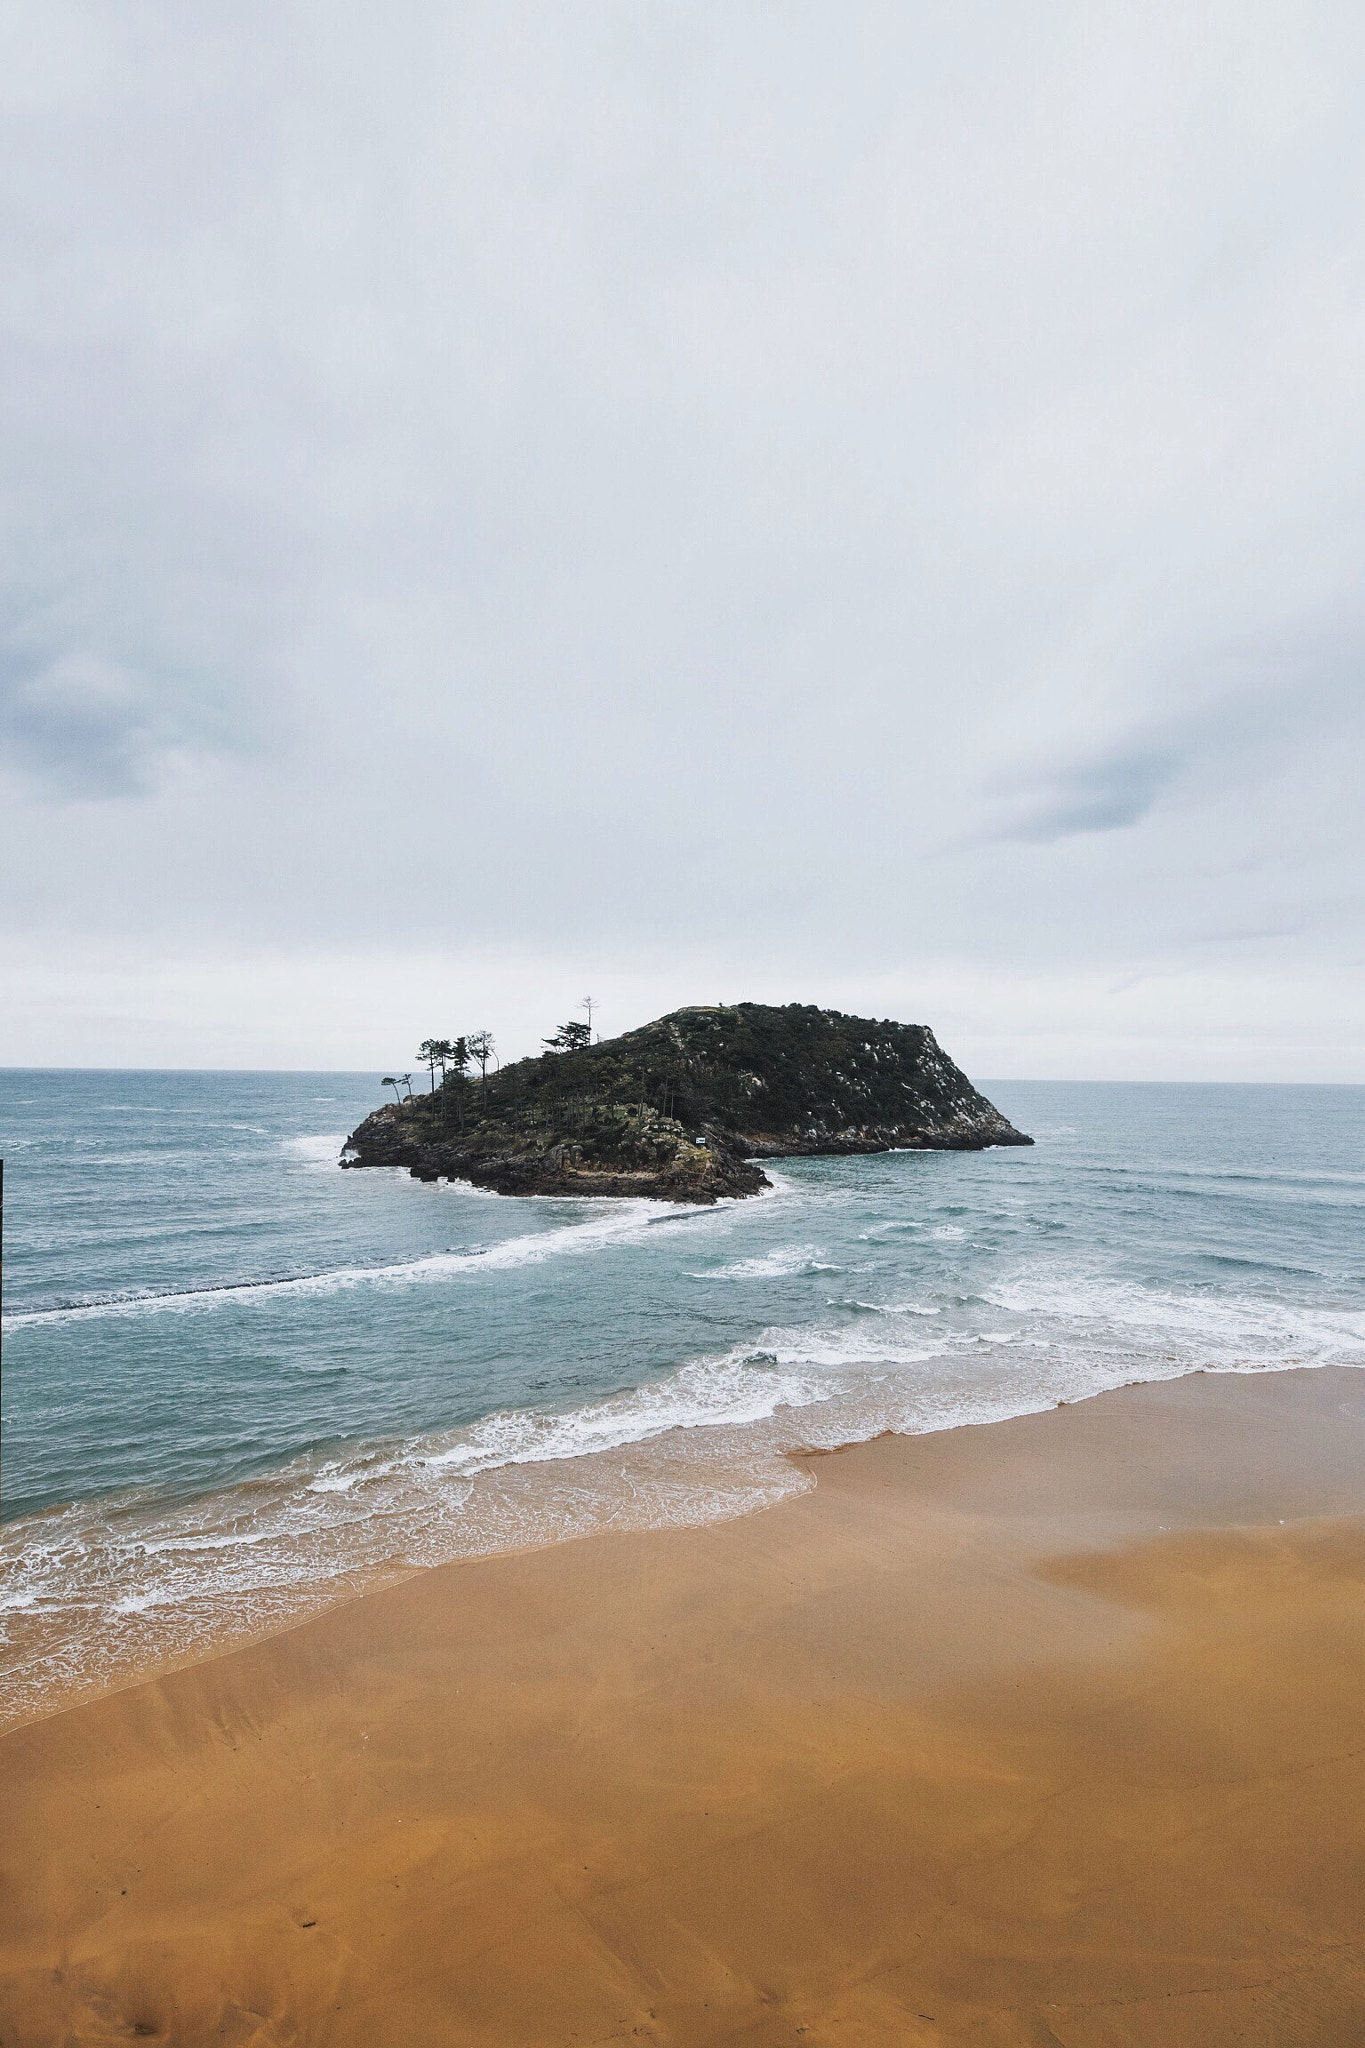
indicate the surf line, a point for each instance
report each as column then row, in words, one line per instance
column 530, row 1248
column 106, row 1304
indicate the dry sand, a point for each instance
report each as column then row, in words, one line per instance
column 1047, row 1732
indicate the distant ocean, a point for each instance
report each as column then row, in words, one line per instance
column 240, row 1383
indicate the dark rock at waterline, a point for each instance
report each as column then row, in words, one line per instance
column 681, row 1109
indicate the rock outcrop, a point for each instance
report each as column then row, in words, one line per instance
column 684, row 1108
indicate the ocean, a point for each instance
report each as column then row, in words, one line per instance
column 240, row 1384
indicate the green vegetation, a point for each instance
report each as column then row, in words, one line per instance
column 683, row 1106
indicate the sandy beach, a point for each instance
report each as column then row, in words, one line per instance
column 1042, row 1732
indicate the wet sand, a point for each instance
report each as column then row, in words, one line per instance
column 1044, row 1732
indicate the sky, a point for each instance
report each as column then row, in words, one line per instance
column 850, row 503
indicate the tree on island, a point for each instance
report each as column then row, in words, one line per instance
column 389, row 1082
column 455, row 1060
column 570, row 1037
column 480, row 1048
column 433, row 1053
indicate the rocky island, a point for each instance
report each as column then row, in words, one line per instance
column 683, row 1108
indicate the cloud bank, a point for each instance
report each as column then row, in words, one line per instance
column 854, row 503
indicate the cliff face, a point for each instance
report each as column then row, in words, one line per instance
column 682, row 1108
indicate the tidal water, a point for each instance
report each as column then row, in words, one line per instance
column 240, row 1383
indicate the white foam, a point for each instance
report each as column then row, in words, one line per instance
column 112, row 1588
column 912, row 1351
column 777, row 1264
column 233, row 1540
column 624, row 1222
column 740, row 1389
column 1254, row 1326
column 322, row 1150
column 141, row 1603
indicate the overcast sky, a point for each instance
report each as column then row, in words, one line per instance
column 854, row 503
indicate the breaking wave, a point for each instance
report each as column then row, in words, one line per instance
column 629, row 1365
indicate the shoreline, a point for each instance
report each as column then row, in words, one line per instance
column 1036, row 1724
column 692, row 1472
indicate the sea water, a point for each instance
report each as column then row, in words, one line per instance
column 241, row 1383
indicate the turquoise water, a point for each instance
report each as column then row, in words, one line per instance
column 239, row 1381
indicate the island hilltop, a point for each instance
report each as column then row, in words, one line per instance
column 682, row 1108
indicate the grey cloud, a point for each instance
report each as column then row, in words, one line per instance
column 604, row 477
column 1104, row 795
column 1240, row 707
column 80, row 726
